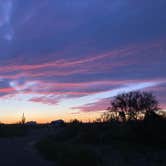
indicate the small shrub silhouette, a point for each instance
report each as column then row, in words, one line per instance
column 68, row 154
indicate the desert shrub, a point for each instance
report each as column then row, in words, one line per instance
column 89, row 136
column 68, row 154
column 151, row 132
column 66, row 134
column 117, row 132
column 75, row 123
column 12, row 130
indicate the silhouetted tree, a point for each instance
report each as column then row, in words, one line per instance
column 105, row 117
column 130, row 105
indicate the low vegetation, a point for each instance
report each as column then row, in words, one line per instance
column 66, row 154
column 12, row 130
column 95, row 143
column 119, row 138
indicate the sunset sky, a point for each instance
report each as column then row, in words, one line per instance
column 66, row 59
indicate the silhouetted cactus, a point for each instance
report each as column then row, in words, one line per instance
column 23, row 120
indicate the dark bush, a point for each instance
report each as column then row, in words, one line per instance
column 12, row 130
column 68, row 154
column 89, row 136
column 66, row 134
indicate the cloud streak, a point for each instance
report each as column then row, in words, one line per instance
column 77, row 55
column 5, row 23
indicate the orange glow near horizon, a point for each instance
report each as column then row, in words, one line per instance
column 67, row 117
column 84, row 117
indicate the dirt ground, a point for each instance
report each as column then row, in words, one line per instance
column 20, row 151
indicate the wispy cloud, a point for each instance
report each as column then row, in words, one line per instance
column 5, row 23
column 78, row 54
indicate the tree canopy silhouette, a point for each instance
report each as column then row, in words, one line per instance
column 130, row 105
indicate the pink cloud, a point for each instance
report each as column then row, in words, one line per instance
column 45, row 100
column 101, row 105
column 72, row 64
column 7, row 90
